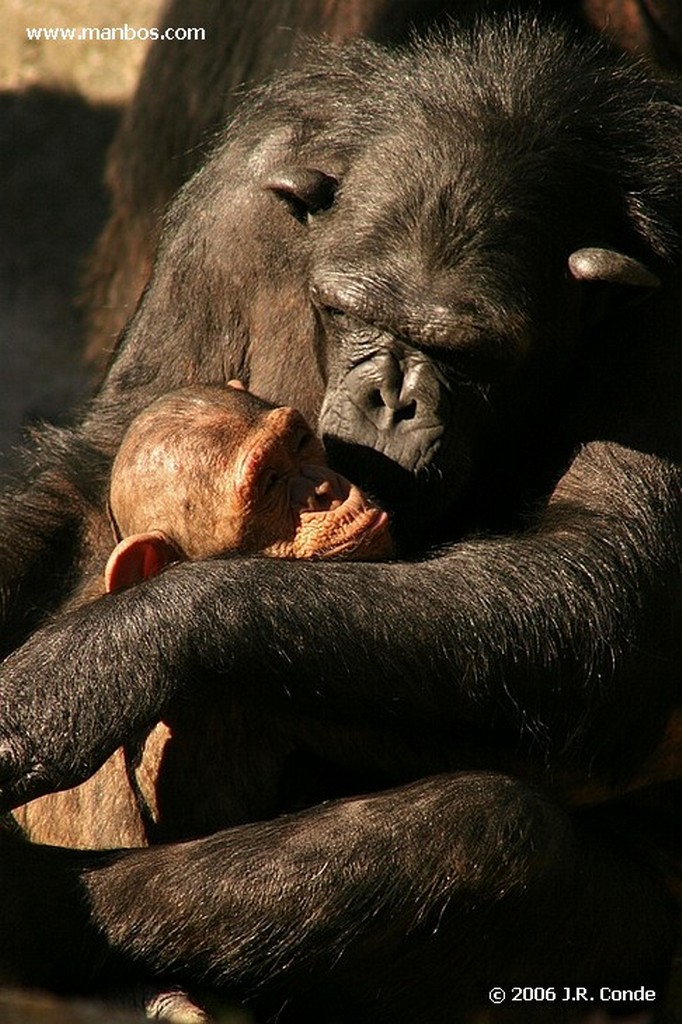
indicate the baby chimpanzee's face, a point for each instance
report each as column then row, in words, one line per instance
column 293, row 505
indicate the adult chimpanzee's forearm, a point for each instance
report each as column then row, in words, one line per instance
column 43, row 520
column 507, row 631
column 548, row 632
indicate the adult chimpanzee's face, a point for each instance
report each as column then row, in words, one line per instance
column 424, row 318
column 439, row 244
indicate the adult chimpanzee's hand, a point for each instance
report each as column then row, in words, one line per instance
column 22, row 774
column 51, row 726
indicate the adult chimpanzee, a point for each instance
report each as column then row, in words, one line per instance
column 465, row 255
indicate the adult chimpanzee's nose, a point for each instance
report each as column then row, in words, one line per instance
column 387, row 390
column 394, row 387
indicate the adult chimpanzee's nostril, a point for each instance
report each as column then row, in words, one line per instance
column 405, row 412
column 388, row 406
column 387, row 390
column 397, row 397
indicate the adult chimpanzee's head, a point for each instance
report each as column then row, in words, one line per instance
column 438, row 229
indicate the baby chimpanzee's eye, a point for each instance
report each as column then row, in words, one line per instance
column 304, row 442
column 269, row 481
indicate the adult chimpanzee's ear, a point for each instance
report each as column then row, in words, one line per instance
column 306, row 190
column 138, row 557
column 594, row 264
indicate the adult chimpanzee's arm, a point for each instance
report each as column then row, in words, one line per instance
column 554, row 632
column 44, row 521
column 403, row 905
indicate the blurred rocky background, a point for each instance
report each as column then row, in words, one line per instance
column 59, row 106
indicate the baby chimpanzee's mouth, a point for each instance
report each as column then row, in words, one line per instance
column 353, row 525
column 367, row 537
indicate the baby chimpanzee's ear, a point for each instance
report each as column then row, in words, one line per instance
column 138, row 557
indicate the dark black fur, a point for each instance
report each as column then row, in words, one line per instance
column 386, row 237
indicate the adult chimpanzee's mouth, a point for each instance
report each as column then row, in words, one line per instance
column 375, row 473
column 406, row 495
column 394, row 424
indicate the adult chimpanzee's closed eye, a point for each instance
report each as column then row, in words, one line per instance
column 486, row 315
